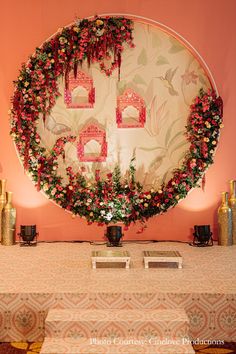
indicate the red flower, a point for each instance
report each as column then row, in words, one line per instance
column 97, row 175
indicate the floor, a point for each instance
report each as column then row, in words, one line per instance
column 31, row 348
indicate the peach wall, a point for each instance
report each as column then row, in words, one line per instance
column 209, row 25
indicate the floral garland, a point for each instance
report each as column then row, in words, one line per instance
column 113, row 199
column 36, row 89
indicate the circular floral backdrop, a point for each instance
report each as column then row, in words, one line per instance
column 115, row 119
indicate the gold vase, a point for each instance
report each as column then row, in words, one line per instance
column 8, row 222
column 232, row 204
column 225, row 222
column 2, row 201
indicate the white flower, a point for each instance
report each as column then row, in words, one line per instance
column 45, row 187
column 102, row 212
column 53, row 191
column 108, row 216
column 100, row 32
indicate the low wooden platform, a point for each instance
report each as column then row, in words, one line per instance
column 162, row 257
column 110, row 256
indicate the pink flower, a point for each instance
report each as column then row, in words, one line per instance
column 206, row 107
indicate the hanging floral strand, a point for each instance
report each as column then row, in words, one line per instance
column 96, row 41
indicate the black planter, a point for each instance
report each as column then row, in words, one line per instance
column 28, row 233
column 202, row 235
column 114, row 235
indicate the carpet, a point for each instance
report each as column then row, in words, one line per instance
column 20, row 348
column 33, row 348
column 226, row 348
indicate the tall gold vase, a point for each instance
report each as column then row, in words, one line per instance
column 8, row 222
column 232, row 204
column 2, row 201
column 225, row 222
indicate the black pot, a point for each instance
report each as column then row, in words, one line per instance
column 202, row 233
column 28, row 232
column 114, row 234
